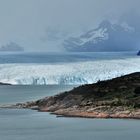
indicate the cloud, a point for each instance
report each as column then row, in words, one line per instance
column 53, row 34
column 62, row 16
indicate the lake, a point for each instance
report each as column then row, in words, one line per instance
column 37, row 75
column 25, row 124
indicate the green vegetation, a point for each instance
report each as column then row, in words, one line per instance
column 122, row 91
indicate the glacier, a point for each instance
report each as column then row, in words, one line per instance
column 73, row 73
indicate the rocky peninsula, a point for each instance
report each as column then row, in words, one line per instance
column 116, row 98
column 1, row 84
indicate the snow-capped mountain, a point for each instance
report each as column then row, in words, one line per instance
column 107, row 37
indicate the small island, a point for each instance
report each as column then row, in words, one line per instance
column 116, row 98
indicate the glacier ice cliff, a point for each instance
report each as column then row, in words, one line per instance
column 74, row 73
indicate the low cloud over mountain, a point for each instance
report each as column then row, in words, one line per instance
column 107, row 37
column 11, row 47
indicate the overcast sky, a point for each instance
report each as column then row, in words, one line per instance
column 36, row 24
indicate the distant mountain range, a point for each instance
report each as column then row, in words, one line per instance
column 107, row 37
column 138, row 53
column 11, row 47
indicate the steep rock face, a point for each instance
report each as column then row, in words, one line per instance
column 107, row 37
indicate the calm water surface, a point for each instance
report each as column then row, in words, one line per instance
column 24, row 124
column 23, row 93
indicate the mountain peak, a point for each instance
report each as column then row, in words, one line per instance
column 107, row 37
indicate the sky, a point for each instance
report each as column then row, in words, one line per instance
column 41, row 25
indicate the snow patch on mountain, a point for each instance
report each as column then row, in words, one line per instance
column 107, row 37
column 94, row 36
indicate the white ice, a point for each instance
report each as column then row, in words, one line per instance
column 68, row 73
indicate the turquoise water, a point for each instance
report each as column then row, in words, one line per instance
column 24, row 124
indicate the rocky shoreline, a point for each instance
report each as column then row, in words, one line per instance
column 116, row 98
column 1, row 84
